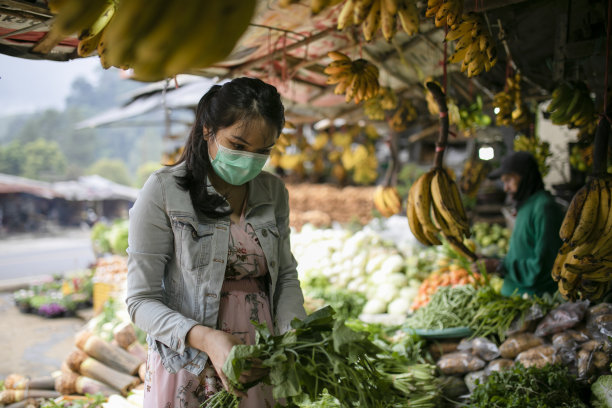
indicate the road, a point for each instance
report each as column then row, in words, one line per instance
column 28, row 257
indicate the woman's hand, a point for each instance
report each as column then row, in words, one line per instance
column 218, row 345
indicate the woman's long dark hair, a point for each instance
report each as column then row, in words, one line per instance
column 241, row 99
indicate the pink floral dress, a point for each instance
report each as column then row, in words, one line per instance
column 244, row 297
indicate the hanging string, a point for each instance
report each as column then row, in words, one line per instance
column 608, row 30
column 444, row 62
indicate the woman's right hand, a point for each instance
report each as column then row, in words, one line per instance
column 218, row 344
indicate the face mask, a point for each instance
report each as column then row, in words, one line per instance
column 237, row 167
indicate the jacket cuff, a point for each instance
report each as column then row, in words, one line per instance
column 179, row 334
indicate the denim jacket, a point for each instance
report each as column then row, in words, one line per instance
column 177, row 259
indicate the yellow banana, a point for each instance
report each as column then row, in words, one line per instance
column 408, row 15
column 558, row 266
column 379, row 202
column 100, row 23
column 588, row 215
column 392, row 199
column 362, row 9
column 432, row 7
column 388, row 21
column 372, row 21
column 423, row 201
column 88, row 46
column 338, row 56
column 460, row 247
column 413, row 221
column 345, row 18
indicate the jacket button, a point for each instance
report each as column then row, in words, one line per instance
column 273, row 263
column 264, row 233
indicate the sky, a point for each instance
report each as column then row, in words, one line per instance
column 31, row 85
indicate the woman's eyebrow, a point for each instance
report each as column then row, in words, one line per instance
column 240, row 139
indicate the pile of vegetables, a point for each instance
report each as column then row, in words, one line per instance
column 451, row 275
column 323, row 354
column 360, row 263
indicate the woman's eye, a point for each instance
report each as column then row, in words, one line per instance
column 238, row 146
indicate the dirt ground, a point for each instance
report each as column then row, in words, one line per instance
column 33, row 345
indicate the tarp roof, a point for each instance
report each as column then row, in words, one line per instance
column 86, row 188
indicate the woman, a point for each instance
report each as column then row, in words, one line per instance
column 535, row 238
column 209, row 249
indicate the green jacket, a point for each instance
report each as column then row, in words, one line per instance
column 533, row 246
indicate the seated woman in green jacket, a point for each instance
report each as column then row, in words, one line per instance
column 535, row 238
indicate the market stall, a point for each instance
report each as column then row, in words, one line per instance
column 397, row 110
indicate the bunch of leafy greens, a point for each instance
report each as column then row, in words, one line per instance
column 496, row 313
column 323, row 353
column 519, row 387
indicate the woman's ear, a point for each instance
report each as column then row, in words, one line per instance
column 206, row 133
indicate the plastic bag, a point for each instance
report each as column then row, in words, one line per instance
column 485, row 349
column 539, row 356
column 562, row 317
column 474, row 378
column 459, row 362
column 534, row 313
column 498, row 365
column 517, row 343
column 600, row 326
column 564, row 340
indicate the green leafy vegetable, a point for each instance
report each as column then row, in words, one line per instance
column 323, row 353
column 519, row 387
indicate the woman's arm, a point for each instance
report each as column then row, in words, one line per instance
column 289, row 300
column 151, row 246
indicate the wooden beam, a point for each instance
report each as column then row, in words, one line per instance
column 25, row 7
column 471, row 5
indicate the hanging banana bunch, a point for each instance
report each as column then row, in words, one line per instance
column 583, row 267
column 445, row 12
column 509, row 105
column 473, row 174
column 383, row 14
column 475, row 48
column 357, row 79
column 375, row 107
column 157, row 39
column 404, row 114
column 572, row 105
column 434, row 206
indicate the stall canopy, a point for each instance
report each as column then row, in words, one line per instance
column 86, row 188
column 547, row 40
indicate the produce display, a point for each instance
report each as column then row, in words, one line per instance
column 59, row 298
column 387, row 200
column 361, row 263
